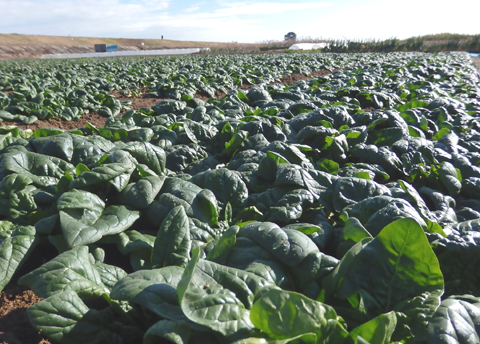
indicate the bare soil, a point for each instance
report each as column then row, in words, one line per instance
column 14, row 325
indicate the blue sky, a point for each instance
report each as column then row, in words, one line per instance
column 239, row 21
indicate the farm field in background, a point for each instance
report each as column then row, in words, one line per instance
column 277, row 198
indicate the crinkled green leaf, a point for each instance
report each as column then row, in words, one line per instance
column 142, row 193
column 113, row 220
column 395, row 271
column 16, row 243
column 282, row 315
column 217, row 296
column 42, row 169
column 455, row 322
column 70, row 270
column 225, row 184
column 116, row 174
column 173, row 242
column 58, row 314
column 153, row 289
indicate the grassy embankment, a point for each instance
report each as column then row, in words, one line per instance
column 427, row 43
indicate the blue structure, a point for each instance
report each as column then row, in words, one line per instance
column 103, row 48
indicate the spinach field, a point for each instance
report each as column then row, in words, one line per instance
column 341, row 209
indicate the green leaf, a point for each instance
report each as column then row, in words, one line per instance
column 174, row 332
column 395, row 271
column 42, row 169
column 45, row 132
column 352, row 233
column 282, row 315
column 235, row 143
column 455, row 322
column 81, row 168
column 63, row 317
column 205, row 207
column 303, row 338
column 295, row 250
column 227, row 185
column 377, row 212
column 277, row 157
column 113, row 220
column 173, row 243
column 439, row 134
column 142, row 193
column 377, row 331
column 16, row 199
column 249, row 214
column 328, row 166
column 110, row 274
column 57, row 315
column 84, row 221
column 362, row 175
column 448, row 175
column 220, row 251
column 242, row 97
column 155, row 289
column 198, row 203
column 16, row 243
column 70, row 270
column 116, row 174
column 83, row 205
column 217, row 296
column 349, row 191
column 146, row 153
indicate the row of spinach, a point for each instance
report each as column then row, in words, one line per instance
column 341, row 209
column 69, row 89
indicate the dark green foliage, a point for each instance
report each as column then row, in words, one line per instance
column 340, row 209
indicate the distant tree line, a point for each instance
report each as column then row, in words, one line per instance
column 429, row 43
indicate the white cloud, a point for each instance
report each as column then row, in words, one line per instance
column 229, row 21
column 245, row 21
column 80, row 11
column 192, row 9
column 265, row 8
column 386, row 19
column 79, row 18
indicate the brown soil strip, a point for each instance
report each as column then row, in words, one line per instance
column 15, row 327
column 137, row 102
column 203, row 96
column 91, row 117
